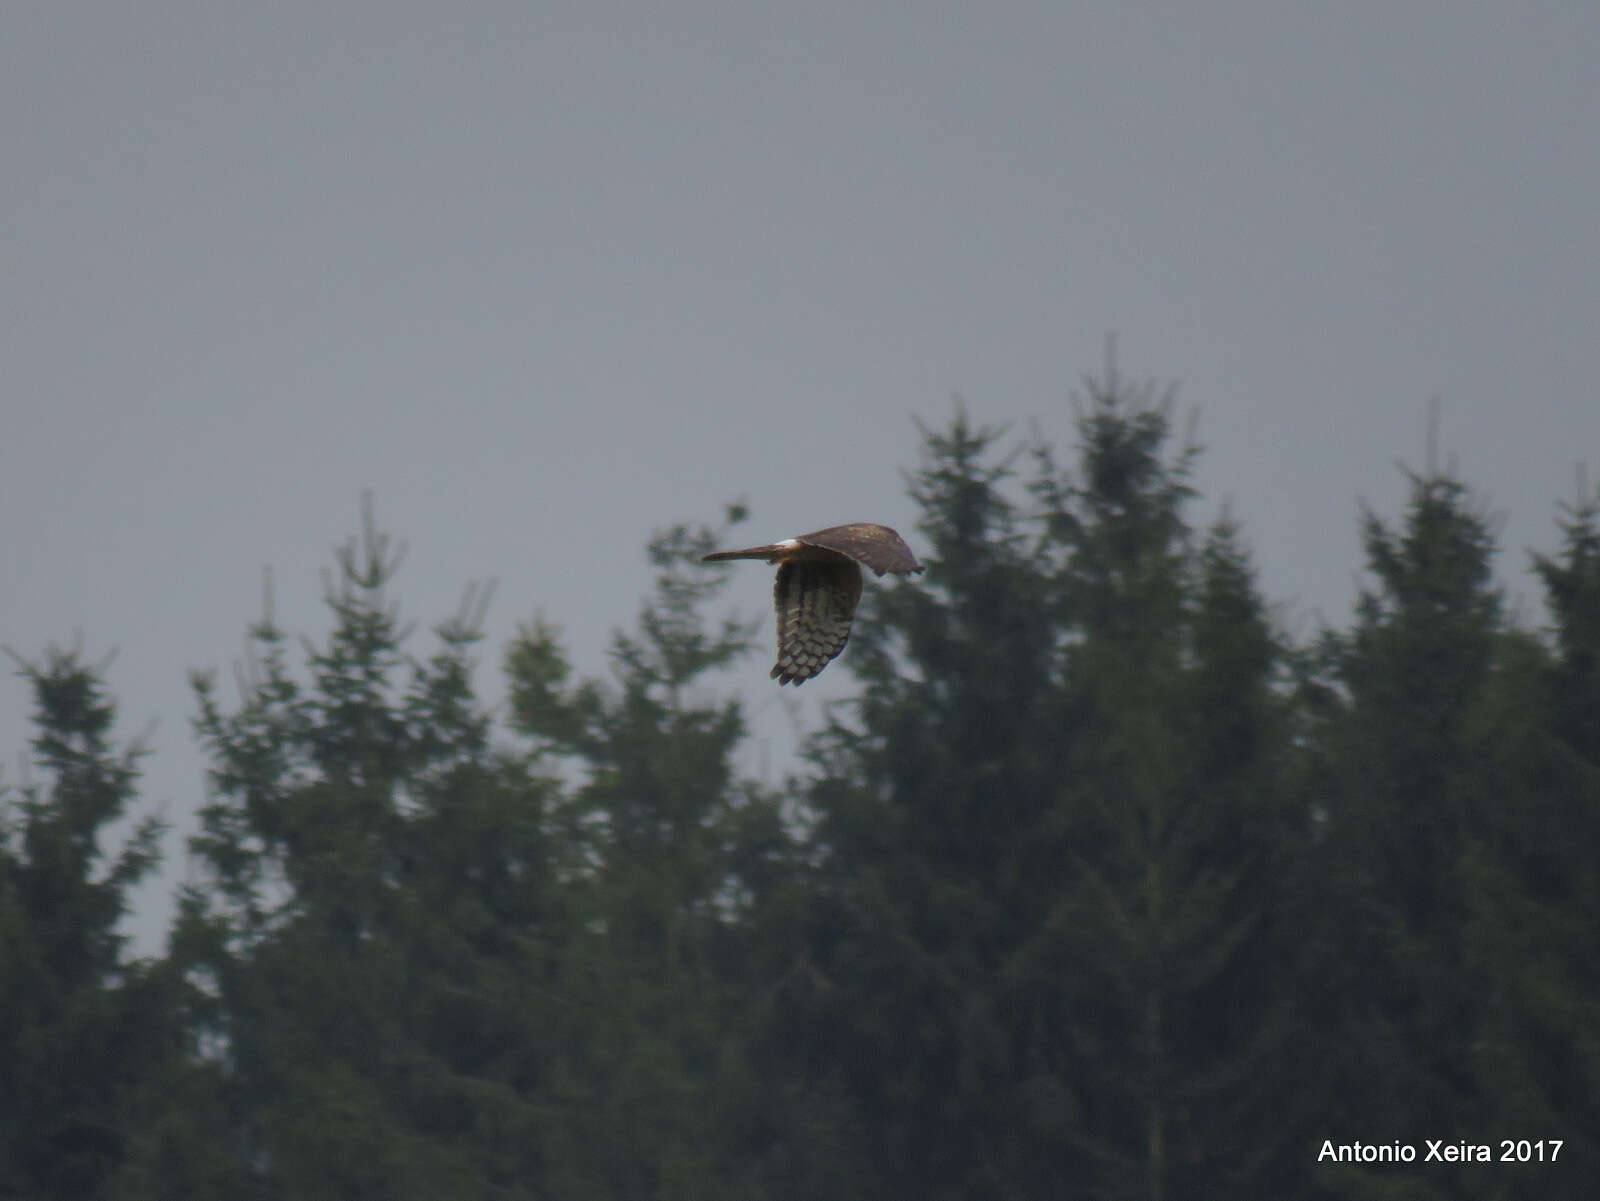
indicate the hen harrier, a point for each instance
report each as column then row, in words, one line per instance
column 818, row 586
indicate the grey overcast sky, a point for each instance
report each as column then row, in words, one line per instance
column 545, row 276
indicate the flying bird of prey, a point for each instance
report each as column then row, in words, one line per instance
column 818, row 585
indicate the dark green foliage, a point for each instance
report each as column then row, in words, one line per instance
column 1096, row 888
column 1534, row 892
column 379, row 913
column 1410, row 674
column 80, row 1027
column 691, row 894
column 1176, row 824
column 1446, row 943
column 666, row 874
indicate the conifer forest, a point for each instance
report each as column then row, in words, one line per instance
column 1098, row 885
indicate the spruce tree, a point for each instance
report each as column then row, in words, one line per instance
column 1411, row 734
column 1176, row 824
column 1532, row 893
column 81, row 1029
column 676, row 858
column 927, row 792
column 374, row 912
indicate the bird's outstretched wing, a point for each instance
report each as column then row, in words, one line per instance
column 874, row 546
column 815, row 602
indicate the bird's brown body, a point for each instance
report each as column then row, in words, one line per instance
column 818, row 586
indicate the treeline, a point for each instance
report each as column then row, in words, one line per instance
column 1100, row 887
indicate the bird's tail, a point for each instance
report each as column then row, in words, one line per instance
column 768, row 552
